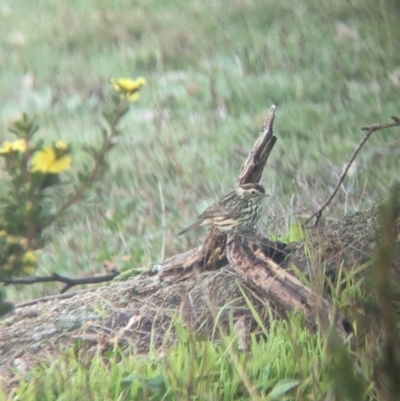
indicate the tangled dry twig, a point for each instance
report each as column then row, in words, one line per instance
column 369, row 130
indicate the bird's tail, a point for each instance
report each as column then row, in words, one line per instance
column 194, row 225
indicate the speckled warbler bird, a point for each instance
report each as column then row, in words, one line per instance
column 236, row 212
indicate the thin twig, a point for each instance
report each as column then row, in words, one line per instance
column 370, row 129
column 163, row 221
column 70, row 282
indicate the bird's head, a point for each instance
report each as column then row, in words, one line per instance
column 255, row 191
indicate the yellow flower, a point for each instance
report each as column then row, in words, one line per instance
column 61, row 145
column 28, row 262
column 46, row 161
column 16, row 146
column 19, row 145
column 29, row 257
column 6, row 147
column 3, row 233
column 128, row 87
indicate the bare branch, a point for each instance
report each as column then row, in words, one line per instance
column 70, row 282
column 370, row 129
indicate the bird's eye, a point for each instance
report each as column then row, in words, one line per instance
column 252, row 192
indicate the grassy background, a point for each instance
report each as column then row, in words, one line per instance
column 213, row 68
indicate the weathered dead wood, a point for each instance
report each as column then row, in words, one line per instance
column 280, row 288
column 210, row 255
column 253, row 167
column 137, row 315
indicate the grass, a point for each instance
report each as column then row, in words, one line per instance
column 214, row 68
column 192, row 369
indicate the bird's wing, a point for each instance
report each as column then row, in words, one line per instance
column 213, row 211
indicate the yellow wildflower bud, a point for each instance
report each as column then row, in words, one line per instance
column 61, row 145
column 6, row 147
column 29, row 257
column 28, row 262
column 128, row 87
column 19, row 146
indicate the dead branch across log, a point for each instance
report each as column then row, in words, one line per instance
column 280, row 288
